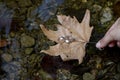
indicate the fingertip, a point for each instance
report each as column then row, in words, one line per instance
column 118, row 43
column 98, row 45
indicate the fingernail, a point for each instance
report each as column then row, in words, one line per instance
column 98, row 45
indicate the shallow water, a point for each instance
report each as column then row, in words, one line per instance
column 21, row 40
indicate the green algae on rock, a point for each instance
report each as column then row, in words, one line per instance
column 27, row 41
column 88, row 76
column 28, row 50
column 63, row 74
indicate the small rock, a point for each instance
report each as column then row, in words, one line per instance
column 75, row 77
column 11, row 4
column 28, row 50
column 96, row 8
column 25, row 3
column 88, row 76
column 15, row 46
column 12, row 34
column 12, row 67
column 118, row 67
column 36, row 2
column 117, row 76
column 16, row 56
column 63, row 74
column 7, row 57
column 45, row 76
column 84, row 0
column 30, row 12
column 27, row 41
column 106, row 15
column 31, row 24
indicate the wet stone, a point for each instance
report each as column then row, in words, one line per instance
column 12, row 67
column 44, row 75
column 36, row 2
column 12, row 34
column 117, row 76
column 28, row 50
column 106, row 15
column 88, row 76
column 12, row 4
column 27, row 41
column 25, row 3
column 75, row 77
column 96, row 8
column 21, row 12
column 15, row 46
column 63, row 74
column 118, row 67
column 7, row 57
column 16, row 56
column 30, row 12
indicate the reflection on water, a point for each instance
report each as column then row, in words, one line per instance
column 5, row 18
column 47, row 9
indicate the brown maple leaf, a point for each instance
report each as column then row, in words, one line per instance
column 71, row 37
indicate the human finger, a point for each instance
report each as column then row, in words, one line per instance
column 104, row 41
column 112, row 44
column 115, row 25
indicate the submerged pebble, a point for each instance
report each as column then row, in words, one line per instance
column 63, row 74
column 24, row 3
column 88, row 76
column 12, row 70
column 96, row 8
column 7, row 57
column 117, row 76
column 12, row 67
column 27, row 41
column 118, row 67
column 106, row 15
column 28, row 50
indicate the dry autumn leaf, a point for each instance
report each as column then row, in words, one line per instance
column 71, row 37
